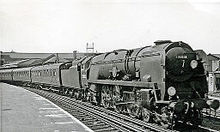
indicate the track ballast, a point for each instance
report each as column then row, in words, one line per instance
column 98, row 118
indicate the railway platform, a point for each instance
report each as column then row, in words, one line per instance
column 24, row 111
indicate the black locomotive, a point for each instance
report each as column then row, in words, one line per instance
column 164, row 83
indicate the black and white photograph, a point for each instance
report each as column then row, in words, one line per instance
column 110, row 65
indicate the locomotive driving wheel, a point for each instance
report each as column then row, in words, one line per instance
column 121, row 108
column 118, row 108
column 106, row 97
column 198, row 117
column 77, row 94
column 133, row 110
column 71, row 94
column 146, row 115
column 167, row 118
column 105, row 101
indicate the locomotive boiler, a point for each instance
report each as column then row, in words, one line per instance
column 165, row 83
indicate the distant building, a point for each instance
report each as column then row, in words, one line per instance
column 211, row 63
column 214, row 81
column 214, row 62
column 8, row 59
column 214, row 72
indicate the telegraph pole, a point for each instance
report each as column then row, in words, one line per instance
column 1, row 58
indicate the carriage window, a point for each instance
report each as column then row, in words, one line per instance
column 50, row 72
column 44, row 73
column 83, row 67
column 54, row 72
column 47, row 72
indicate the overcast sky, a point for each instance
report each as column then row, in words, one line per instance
column 67, row 25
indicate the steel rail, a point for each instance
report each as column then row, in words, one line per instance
column 113, row 121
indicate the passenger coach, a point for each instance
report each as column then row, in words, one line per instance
column 47, row 75
column 6, row 75
column 22, row 75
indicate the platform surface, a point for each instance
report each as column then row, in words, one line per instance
column 24, row 111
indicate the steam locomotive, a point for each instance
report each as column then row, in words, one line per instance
column 164, row 83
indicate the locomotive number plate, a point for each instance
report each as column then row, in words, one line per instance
column 181, row 57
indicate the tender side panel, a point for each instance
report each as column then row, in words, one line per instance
column 70, row 77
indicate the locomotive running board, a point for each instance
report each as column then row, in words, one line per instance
column 125, row 83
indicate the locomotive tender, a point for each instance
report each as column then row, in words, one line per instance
column 164, row 83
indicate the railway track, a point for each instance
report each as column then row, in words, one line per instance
column 211, row 120
column 98, row 118
column 211, row 113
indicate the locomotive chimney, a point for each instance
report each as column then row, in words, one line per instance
column 159, row 42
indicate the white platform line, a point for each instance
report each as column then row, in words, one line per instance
column 49, row 108
column 72, row 117
column 62, row 123
column 57, row 115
